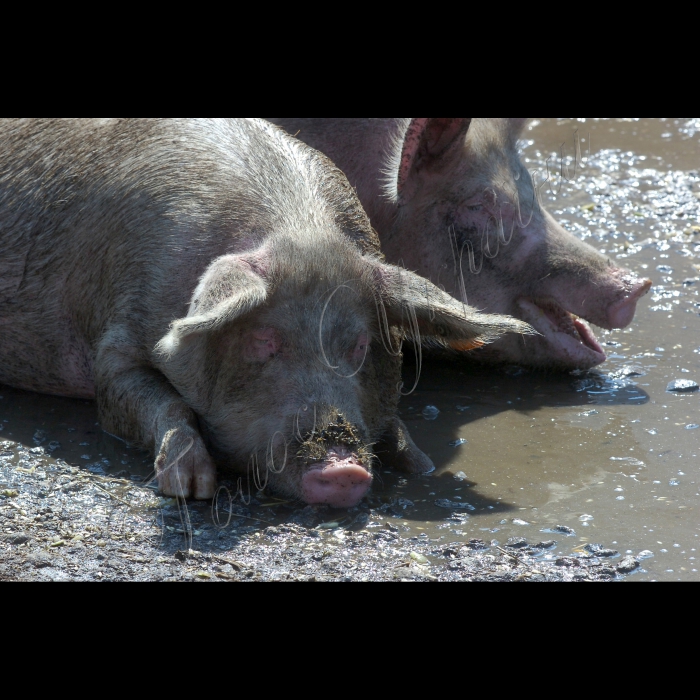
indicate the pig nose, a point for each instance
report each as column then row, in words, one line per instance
column 621, row 313
column 340, row 481
column 340, row 487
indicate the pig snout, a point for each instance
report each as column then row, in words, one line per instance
column 335, row 461
column 621, row 313
column 339, row 480
column 609, row 301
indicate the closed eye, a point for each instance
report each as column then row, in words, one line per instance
column 362, row 346
column 264, row 343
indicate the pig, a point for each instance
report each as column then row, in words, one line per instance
column 451, row 200
column 217, row 288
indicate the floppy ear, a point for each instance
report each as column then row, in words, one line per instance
column 428, row 141
column 423, row 310
column 229, row 289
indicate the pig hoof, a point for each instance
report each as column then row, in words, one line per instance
column 414, row 461
column 398, row 450
column 184, row 467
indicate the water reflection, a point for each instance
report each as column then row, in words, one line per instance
column 68, row 429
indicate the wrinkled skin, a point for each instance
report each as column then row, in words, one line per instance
column 216, row 286
column 451, row 200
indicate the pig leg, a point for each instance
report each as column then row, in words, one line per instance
column 137, row 402
column 396, row 449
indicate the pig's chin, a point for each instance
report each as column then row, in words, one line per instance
column 570, row 341
column 340, row 480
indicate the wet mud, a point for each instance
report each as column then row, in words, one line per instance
column 63, row 523
column 584, row 476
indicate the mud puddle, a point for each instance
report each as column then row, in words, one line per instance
column 524, row 459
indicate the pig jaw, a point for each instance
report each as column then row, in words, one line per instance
column 569, row 340
column 324, row 462
column 340, row 480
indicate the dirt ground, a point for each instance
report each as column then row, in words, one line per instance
column 64, row 523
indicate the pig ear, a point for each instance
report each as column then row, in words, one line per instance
column 428, row 140
column 231, row 287
column 424, row 311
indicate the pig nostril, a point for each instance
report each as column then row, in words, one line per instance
column 339, row 486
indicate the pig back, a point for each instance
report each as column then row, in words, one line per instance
column 106, row 225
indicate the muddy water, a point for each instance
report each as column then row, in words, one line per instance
column 609, row 454
column 67, row 429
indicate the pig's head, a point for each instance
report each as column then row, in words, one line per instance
column 468, row 218
column 290, row 356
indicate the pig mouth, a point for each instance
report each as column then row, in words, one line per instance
column 569, row 337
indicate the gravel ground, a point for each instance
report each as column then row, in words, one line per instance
column 63, row 523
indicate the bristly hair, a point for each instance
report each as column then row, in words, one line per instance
column 392, row 150
column 338, row 432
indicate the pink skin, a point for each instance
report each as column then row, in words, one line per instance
column 266, row 342
column 608, row 301
column 621, row 313
column 555, row 314
column 339, row 481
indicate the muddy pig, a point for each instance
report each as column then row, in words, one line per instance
column 217, row 287
column 451, row 200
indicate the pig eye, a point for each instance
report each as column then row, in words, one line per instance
column 475, row 207
column 264, row 343
column 362, row 345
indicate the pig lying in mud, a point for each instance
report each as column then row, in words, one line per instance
column 216, row 286
column 451, row 200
